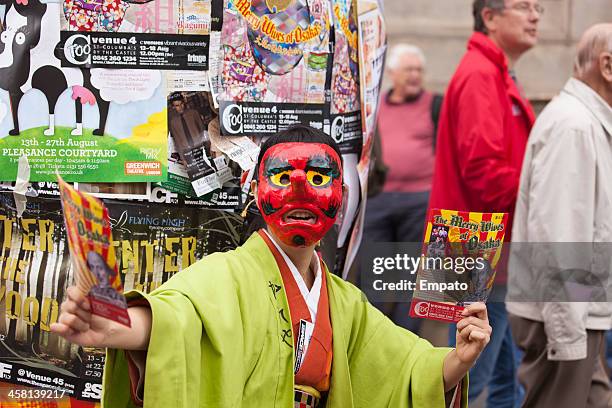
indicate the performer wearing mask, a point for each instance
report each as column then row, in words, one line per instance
column 267, row 325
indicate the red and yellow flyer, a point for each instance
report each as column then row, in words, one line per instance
column 92, row 253
column 460, row 253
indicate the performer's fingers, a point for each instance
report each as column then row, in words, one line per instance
column 62, row 329
column 73, row 322
column 474, row 333
column 478, row 309
column 71, row 307
column 479, row 336
column 483, row 324
column 464, row 332
column 77, row 297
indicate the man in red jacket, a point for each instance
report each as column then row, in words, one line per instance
column 482, row 136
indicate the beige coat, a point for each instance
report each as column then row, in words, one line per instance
column 561, row 261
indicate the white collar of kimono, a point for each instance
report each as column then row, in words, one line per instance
column 310, row 297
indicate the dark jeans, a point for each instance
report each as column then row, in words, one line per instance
column 609, row 351
column 497, row 365
column 396, row 217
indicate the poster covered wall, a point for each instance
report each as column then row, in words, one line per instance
column 102, row 118
column 296, row 61
column 86, row 124
column 152, row 243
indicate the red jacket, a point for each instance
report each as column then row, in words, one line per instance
column 482, row 135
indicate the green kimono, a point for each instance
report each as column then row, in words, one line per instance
column 221, row 337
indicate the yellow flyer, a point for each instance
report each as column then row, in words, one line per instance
column 460, row 253
column 92, row 253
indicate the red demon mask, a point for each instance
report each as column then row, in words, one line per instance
column 300, row 191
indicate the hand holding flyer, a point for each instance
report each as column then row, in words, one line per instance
column 460, row 252
column 92, row 253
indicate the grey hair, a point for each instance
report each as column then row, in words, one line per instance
column 396, row 52
column 594, row 41
column 480, row 5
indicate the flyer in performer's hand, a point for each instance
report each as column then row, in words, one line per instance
column 92, row 253
column 460, row 253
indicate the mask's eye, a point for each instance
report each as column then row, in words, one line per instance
column 317, row 179
column 4, row 37
column 282, row 179
column 20, row 38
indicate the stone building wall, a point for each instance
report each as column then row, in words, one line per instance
column 442, row 27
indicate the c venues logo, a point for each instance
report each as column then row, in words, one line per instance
column 77, row 49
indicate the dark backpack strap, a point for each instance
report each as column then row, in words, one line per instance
column 378, row 170
column 436, row 107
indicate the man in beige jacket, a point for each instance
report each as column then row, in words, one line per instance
column 561, row 265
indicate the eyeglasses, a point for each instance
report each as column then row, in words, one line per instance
column 525, row 7
column 412, row 68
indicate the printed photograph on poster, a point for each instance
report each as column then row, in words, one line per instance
column 84, row 124
column 115, row 190
column 153, row 242
column 92, row 253
column 143, row 34
column 178, row 189
column 193, row 156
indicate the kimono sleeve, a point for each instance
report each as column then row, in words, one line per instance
column 413, row 367
column 387, row 366
column 172, row 373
